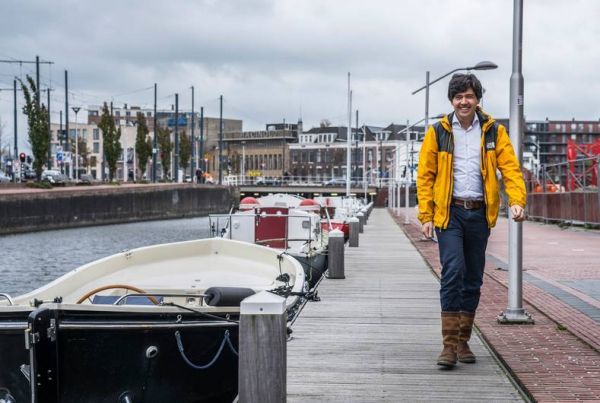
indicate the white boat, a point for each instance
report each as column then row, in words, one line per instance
column 285, row 222
column 153, row 324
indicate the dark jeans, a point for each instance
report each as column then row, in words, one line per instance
column 462, row 254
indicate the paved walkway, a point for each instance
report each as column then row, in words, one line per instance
column 558, row 358
column 375, row 335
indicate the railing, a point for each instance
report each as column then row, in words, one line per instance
column 549, row 198
column 294, row 180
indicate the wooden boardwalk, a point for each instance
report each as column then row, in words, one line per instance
column 375, row 335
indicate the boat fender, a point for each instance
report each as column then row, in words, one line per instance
column 227, row 296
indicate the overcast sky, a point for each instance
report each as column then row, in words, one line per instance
column 282, row 59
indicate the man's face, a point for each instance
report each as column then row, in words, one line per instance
column 464, row 104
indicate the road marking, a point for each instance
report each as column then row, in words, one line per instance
column 577, row 250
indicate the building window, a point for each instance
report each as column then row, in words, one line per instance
column 96, row 148
column 96, row 133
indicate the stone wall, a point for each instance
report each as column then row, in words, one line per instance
column 75, row 207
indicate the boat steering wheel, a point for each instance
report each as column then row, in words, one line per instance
column 115, row 286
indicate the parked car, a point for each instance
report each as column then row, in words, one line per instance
column 267, row 181
column 335, row 182
column 85, row 179
column 55, row 178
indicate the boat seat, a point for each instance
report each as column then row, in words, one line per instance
column 132, row 300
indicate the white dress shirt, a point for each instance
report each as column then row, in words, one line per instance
column 467, row 160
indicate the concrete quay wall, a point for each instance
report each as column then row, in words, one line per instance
column 30, row 210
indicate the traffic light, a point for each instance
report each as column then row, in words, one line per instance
column 29, row 159
column 22, row 157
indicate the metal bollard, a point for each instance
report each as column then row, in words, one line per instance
column 263, row 349
column 335, row 250
column 354, row 230
column 361, row 222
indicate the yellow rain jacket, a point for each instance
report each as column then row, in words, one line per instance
column 436, row 171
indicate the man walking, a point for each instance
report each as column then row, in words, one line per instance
column 458, row 195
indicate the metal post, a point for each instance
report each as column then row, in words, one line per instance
column 221, row 140
column 76, row 174
column 16, row 156
column 37, row 81
column 67, row 143
column 515, row 313
column 49, row 134
column 348, row 139
column 262, row 349
column 194, row 150
column 176, row 135
column 406, row 177
column 364, row 175
column 243, row 178
column 202, row 137
column 154, row 140
column 335, row 248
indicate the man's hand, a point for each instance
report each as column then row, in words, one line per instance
column 518, row 213
column 427, row 229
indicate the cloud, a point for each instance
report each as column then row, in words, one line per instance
column 276, row 59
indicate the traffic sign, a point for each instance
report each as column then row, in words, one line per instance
column 59, row 156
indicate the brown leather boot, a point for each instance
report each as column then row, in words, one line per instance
column 450, row 331
column 466, row 326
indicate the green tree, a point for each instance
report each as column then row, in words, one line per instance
column 185, row 150
column 143, row 146
column 37, row 119
column 163, row 137
column 110, row 141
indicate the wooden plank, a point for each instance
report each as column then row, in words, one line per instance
column 375, row 335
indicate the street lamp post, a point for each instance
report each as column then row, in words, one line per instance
column 514, row 312
column 243, row 162
column 76, row 109
column 485, row 65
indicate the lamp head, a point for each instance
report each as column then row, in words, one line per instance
column 485, row 65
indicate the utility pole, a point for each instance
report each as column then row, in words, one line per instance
column 194, row 150
column 49, row 134
column 37, row 80
column 356, row 150
column 221, row 140
column 15, row 120
column 176, row 156
column 67, row 144
column 202, row 138
column 348, row 139
column 15, row 159
column 154, row 145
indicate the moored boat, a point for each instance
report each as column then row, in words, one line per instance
column 153, row 324
column 273, row 223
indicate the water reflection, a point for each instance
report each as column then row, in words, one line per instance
column 28, row 261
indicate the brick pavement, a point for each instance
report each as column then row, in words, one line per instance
column 557, row 359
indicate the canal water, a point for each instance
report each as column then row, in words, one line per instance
column 28, row 261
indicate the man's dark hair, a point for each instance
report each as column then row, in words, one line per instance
column 462, row 82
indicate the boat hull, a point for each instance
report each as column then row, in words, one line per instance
column 106, row 357
column 314, row 266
